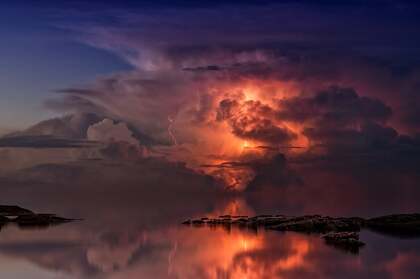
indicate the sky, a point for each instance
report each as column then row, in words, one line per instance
column 37, row 58
column 254, row 94
column 45, row 50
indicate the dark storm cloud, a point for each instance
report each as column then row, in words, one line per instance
column 369, row 135
column 262, row 130
column 204, row 68
column 143, row 100
column 122, row 150
column 410, row 107
column 336, row 107
column 252, row 120
column 69, row 127
column 73, row 103
column 77, row 91
column 175, row 32
column 272, row 173
column 41, row 142
column 340, row 117
column 218, row 3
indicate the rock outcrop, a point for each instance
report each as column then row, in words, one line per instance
column 396, row 224
column 13, row 210
column 347, row 241
column 307, row 223
column 26, row 218
column 340, row 232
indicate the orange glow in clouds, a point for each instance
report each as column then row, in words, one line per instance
column 239, row 124
column 267, row 93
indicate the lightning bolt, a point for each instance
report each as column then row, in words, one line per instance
column 171, row 257
column 170, row 132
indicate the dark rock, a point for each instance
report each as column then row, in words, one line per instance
column 13, row 210
column 341, row 235
column 26, row 218
column 316, row 224
column 348, row 241
column 187, row 222
column 264, row 216
column 3, row 219
column 241, row 222
column 355, row 221
column 396, row 224
column 39, row 220
column 307, row 223
column 197, row 222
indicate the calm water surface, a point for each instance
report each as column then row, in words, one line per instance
column 127, row 247
column 131, row 229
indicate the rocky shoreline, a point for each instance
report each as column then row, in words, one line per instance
column 340, row 232
column 25, row 218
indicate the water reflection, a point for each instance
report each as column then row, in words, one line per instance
column 216, row 253
column 77, row 250
column 131, row 230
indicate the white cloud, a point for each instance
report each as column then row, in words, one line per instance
column 108, row 131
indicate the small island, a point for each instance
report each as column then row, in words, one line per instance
column 25, row 218
column 340, row 232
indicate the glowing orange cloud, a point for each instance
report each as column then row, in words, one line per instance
column 240, row 123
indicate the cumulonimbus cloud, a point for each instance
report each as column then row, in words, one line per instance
column 251, row 92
